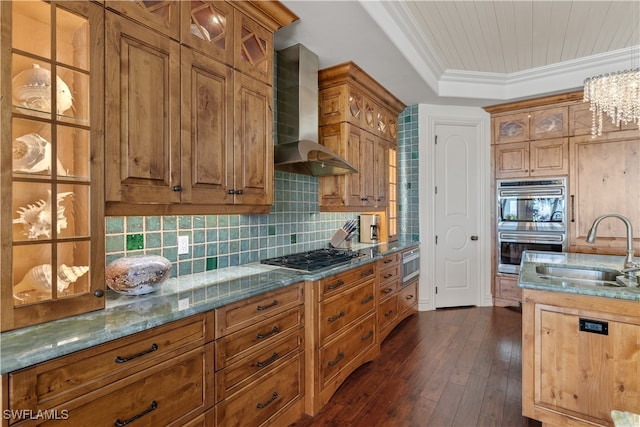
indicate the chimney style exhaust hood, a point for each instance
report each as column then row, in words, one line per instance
column 298, row 150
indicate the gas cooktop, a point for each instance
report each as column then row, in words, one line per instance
column 313, row 260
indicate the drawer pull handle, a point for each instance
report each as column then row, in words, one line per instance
column 334, row 318
column 273, row 397
column 153, row 348
column 366, row 273
column 387, row 261
column 119, row 423
column 335, row 362
column 368, row 299
column 386, row 276
column 366, row 337
column 337, row 285
column 409, row 297
column 387, row 291
column 275, row 330
column 388, row 313
column 267, row 362
column 264, row 307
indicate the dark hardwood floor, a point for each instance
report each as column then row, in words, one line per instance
column 452, row 367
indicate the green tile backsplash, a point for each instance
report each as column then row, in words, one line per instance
column 295, row 223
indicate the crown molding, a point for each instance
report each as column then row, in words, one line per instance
column 397, row 23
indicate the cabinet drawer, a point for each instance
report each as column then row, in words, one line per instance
column 346, row 348
column 340, row 282
column 165, row 394
column 237, row 375
column 507, row 288
column 387, row 312
column 262, row 399
column 236, row 316
column 340, row 311
column 240, row 344
column 51, row 383
column 408, row 297
column 389, row 260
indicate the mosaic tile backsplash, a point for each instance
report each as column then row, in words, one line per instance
column 294, row 224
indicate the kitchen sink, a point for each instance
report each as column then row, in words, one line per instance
column 598, row 277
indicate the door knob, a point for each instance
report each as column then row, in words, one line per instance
column 474, row 237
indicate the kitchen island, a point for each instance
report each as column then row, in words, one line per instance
column 580, row 339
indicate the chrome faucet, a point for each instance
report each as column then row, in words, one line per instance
column 630, row 266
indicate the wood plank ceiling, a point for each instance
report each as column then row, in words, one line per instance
column 512, row 36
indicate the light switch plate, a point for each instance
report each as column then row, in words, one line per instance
column 183, row 245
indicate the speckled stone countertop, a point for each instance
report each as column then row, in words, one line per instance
column 529, row 279
column 125, row 315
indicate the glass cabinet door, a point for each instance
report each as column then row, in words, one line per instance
column 56, row 218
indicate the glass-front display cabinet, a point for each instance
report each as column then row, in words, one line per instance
column 52, row 214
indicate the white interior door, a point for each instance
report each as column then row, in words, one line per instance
column 456, row 216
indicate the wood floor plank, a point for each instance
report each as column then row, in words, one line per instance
column 455, row 367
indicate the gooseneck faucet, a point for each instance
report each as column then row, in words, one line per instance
column 629, row 265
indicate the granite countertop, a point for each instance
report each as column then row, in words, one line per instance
column 176, row 298
column 529, row 279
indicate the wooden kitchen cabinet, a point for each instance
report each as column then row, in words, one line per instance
column 358, row 120
column 548, row 157
column 162, row 16
column 201, row 141
column 341, row 331
column 581, row 119
column 260, row 359
column 396, row 301
column 163, row 375
column 52, row 254
column 579, row 358
column 604, row 179
column 506, row 292
column 143, row 114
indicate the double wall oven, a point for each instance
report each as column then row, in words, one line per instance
column 531, row 215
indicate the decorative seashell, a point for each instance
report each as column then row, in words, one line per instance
column 200, row 32
column 36, row 218
column 32, row 89
column 137, row 274
column 32, row 154
column 37, row 282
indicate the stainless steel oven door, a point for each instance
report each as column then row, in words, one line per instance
column 512, row 245
column 532, row 205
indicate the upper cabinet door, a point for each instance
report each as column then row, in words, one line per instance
column 207, row 129
column 161, row 15
column 207, row 26
column 549, row 123
column 143, row 100
column 253, row 146
column 52, row 254
column 511, row 128
column 253, row 49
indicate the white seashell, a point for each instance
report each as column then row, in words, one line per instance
column 37, row 282
column 32, row 154
column 32, row 89
column 36, row 218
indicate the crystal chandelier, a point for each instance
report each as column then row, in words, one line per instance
column 617, row 95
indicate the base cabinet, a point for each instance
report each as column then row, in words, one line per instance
column 341, row 331
column 506, row 292
column 260, row 360
column 580, row 358
column 159, row 376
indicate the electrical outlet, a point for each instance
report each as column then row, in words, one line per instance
column 183, row 245
column 183, row 304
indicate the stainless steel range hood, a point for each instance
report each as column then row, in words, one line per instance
column 298, row 150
